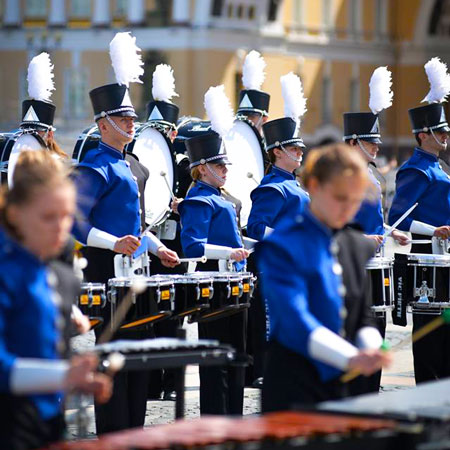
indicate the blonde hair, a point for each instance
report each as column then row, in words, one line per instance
column 34, row 170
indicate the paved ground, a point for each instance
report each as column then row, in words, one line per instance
column 399, row 376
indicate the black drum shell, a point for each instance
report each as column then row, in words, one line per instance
column 191, row 297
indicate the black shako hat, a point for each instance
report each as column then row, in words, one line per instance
column 362, row 125
column 111, row 100
column 281, row 132
column 428, row 118
column 162, row 112
column 205, row 148
column 253, row 101
column 37, row 114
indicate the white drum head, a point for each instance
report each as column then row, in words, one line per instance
column 153, row 152
column 24, row 142
column 244, row 151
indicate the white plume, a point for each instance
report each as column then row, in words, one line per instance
column 380, row 90
column 439, row 81
column 253, row 74
column 218, row 109
column 125, row 58
column 40, row 77
column 294, row 100
column 163, row 84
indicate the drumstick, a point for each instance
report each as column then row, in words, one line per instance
column 250, row 175
column 164, row 175
column 419, row 241
column 388, row 231
column 202, row 259
column 137, row 287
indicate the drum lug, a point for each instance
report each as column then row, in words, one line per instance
column 241, row 289
column 112, row 295
column 211, row 291
column 252, row 286
column 158, row 295
column 103, row 299
column 172, row 298
column 197, row 292
column 90, row 298
column 228, row 290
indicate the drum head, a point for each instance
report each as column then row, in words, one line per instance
column 154, row 151
column 87, row 140
column 23, row 142
column 247, row 169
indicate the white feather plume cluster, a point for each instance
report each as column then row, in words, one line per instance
column 253, row 74
column 126, row 59
column 439, row 81
column 294, row 99
column 163, row 83
column 40, row 77
column 381, row 94
column 218, row 109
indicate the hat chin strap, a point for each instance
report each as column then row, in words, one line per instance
column 290, row 156
column 118, row 129
column 214, row 174
column 438, row 142
column 361, row 146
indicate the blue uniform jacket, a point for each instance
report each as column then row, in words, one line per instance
column 28, row 317
column 421, row 179
column 207, row 218
column 301, row 281
column 369, row 218
column 278, row 194
column 108, row 194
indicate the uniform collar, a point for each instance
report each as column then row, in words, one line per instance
column 208, row 187
column 309, row 216
column 111, row 150
column 426, row 154
column 9, row 246
column 283, row 173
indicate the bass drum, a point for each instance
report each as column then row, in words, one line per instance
column 11, row 145
column 155, row 151
column 245, row 149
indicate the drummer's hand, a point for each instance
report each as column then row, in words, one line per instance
column 81, row 323
column 174, row 205
column 82, row 377
column 368, row 362
column 238, row 254
column 127, row 245
column 442, row 232
column 376, row 237
column 168, row 257
column 400, row 237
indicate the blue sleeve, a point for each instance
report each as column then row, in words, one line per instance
column 195, row 221
column 286, row 291
column 6, row 358
column 410, row 185
column 90, row 187
column 266, row 205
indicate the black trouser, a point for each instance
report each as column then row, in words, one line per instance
column 365, row 385
column 222, row 388
column 21, row 426
column 292, row 380
column 127, row 406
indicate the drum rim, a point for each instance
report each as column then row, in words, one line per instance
column 9, row 144
column 258, row 136
column 82, row 139
column 88, row 284
column 128, row 281
column 422, row 258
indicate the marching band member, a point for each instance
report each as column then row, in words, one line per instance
column 253, row 102
column 209, row 228
column 36, row 216
column 38, row 112
column 362, row 131
column 311, row 341
column 279, row 192
column 111, row 222
column 421, row 180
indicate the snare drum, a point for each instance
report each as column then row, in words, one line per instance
column 428, row 282
column 156, row 303
column 193, row 291
column 228, row 297
column 92, row 301
column 380, row 284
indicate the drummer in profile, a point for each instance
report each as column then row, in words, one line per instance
column 422, row 180
column 111, row 220
column 253, row 102
column 209, row 228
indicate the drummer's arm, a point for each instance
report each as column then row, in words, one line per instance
column 266, row 205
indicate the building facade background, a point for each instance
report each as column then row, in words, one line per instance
column 333, row 45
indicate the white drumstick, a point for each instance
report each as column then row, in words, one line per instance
column 402, row 218
column 202, row 259
column 164, row 175
column 250, row 175
column 419, row 241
